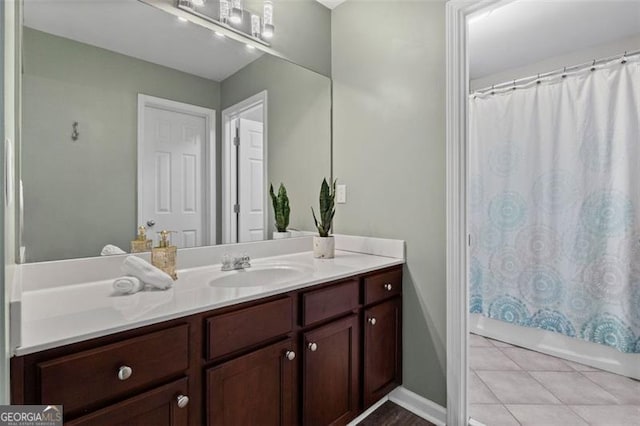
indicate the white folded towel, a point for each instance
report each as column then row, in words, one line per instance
column 128, row 285
column 110, row 250
column 146, row 272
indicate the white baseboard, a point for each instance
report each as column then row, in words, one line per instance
column 419, row 405
column 368, row 411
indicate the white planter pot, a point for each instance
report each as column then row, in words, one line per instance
column 280, row 235
column 324, row 247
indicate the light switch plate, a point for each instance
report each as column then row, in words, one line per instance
column 341, row 194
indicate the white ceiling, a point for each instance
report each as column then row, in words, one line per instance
column 528, row 31
column 139, row 30
column 331, row 4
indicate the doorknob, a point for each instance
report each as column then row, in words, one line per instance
column 150, row 223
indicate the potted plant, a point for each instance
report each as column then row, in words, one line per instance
column 281, row 211
column 324, row 245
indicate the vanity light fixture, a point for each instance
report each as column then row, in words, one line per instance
column 267, row 17
column 231, row 19
column 225, row 9
column 236, row 12
column 255, row 25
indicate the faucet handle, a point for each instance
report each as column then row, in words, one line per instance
column 246, row 260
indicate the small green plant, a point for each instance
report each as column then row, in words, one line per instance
column 280, row 207
column 327, row 208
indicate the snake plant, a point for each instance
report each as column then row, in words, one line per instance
column 327, row 208
column 280, row 207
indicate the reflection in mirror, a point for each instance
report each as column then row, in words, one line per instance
column 131, row 117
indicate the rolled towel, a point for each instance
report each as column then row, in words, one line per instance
column 146, row 272
column 128, row 285
column 110, row 250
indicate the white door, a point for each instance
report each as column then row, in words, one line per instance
column 251, row 181
column 173, row 175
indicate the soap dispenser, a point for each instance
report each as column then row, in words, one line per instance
column 164, row 255
column 141, row 243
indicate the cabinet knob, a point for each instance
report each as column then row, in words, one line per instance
column 388, row 287
column 124, row 372
column 313, row 347
column 183, row 401
column 290, row 355
column 372, row 321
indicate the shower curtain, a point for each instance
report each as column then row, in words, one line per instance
column 554, row 205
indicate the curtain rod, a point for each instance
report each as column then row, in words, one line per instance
column 519, row 83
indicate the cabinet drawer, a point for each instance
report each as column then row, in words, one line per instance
column 328, row 302
column 158, row 407
column 228, row 333
column 382, row 286
column 92, row 376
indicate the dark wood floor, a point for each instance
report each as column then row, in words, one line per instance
column 390, row 414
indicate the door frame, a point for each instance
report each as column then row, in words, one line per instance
column 229, row 167
column 209, row 183
column 457, row 91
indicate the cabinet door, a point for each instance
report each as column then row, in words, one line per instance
column 162, row 406
column 254, row 389
column 330, row 373
column 382, row 350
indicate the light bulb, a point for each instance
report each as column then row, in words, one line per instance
column 255, row 25
column 236, row 12
column 268, row 28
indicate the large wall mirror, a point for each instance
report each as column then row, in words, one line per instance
column 129, row 118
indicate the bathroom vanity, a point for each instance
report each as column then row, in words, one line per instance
column 317, row 354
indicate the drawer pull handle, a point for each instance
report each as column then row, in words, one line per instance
column 183, row 401
column 313, row 347
column 290, row 355
column 124, row 372
column 388, row 287
column 372, row 321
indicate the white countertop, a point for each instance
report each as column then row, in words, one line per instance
column 64, row 314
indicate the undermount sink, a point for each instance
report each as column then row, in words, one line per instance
column 261, row 275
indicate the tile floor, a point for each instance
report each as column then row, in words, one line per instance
column 515, row 386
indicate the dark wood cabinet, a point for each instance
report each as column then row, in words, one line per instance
column 330, row 373
column 163, row 406
column 314, row 356
column 254, row 389
column 382, row 342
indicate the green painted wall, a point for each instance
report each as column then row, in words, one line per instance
column 81, row 195
column 389, row 149
column 299, row 131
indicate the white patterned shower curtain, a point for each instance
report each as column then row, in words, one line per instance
column 554, row 205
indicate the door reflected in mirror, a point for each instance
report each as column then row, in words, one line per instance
column 132, row 117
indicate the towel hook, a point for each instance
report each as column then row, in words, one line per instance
column 538, row 80
column 514, row 85
column 593, row 65
column 564, row 73
column 624, row 58
column 74, row 133
column 493, row 89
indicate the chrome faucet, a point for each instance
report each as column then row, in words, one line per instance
column 231, row 263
